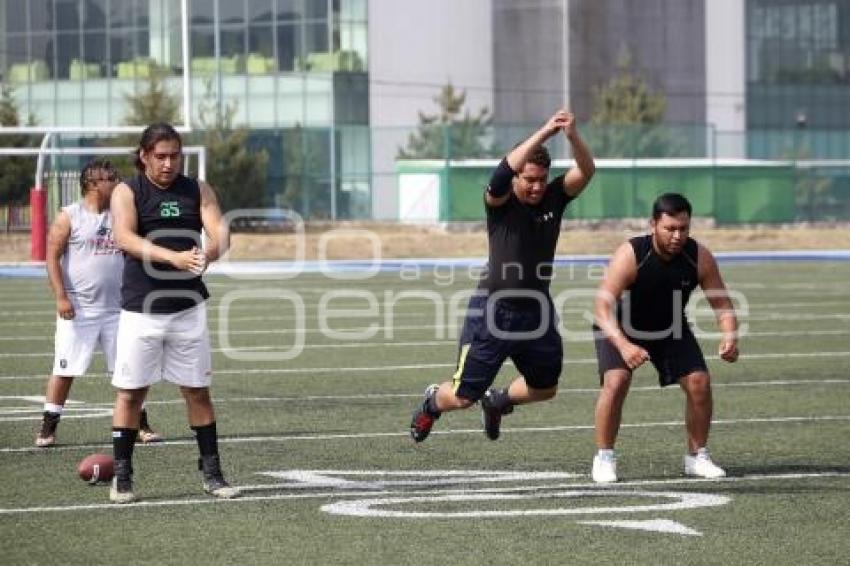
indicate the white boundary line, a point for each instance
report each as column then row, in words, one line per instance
column 339, row 370
column 37, row 400
column 371, row 493
column 429, row 343
column 365, row 435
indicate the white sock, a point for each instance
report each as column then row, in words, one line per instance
column 702, row 452
column 606, row 454
column 53, row 408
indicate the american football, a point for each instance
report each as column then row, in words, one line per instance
column 95, row 468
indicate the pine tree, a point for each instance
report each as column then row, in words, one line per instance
column 302, row 151
column 156, row 103
column 628, row 118
column 17, row 174
column 452, row 133
column 237, row 173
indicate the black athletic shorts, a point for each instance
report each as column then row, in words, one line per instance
column 673, row 358
column 521, row 334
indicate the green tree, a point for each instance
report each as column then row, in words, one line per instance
column 628, row 118
column 237, row 173
column 16, row 173
column 814, row 190
column 452, row 132
column 302, row 158
column 154, row 103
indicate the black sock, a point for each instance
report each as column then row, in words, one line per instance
column 431, row 406
column 123, row 441
column 143, row 420
column 502, row 401
column 48, row 416
column 207, row 438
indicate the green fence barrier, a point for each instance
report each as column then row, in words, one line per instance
column 730, row 191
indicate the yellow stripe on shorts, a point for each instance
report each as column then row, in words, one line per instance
column 461, row 360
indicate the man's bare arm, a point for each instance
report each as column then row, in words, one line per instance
column 57, row 245
column 621, row 272
column 579, row 176
column 124, row 226
column 718, row 297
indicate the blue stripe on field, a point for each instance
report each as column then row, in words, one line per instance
column 36, row 269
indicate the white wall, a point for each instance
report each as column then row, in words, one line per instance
column 725, row 67
column 415, row 48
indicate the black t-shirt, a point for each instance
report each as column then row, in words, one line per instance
column 170, row 218
column 662, row 288
column 522, row 240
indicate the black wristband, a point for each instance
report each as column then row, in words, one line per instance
column 500, row 180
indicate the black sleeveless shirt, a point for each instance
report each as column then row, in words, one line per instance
column 661, row 288
column 170, row 218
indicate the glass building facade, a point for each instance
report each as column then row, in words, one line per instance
column 798, row 64
column 295, row 71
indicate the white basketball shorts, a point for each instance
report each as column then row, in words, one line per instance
column 174, row 347
column 77, row 338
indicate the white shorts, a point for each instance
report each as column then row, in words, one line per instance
column 77, row 338
column 174, row 347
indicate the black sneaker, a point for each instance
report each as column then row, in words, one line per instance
column 46, row 436
column 122, row 483
column 214, row 482
column 423, row 419
column 494, row 404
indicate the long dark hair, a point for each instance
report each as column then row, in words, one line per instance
column 153, row 134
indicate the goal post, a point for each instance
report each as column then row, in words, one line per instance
column 53, row 188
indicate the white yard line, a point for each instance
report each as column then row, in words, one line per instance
column 477, row 431
column 341, row 370
column 329, row 493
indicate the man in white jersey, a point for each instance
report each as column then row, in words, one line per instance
column 84, row 269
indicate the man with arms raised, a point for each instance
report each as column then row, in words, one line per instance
column 511, row 314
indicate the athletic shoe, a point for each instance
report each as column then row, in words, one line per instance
column 604, row 469
column 148, row 436
column 122, row 483
column 146, row 433
column 214, row 482
column 423, row 419
column 47, row 435
column 492, row 408
column 700, row 465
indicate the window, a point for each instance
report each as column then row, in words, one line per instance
column 203, row 42
column 67, row 15
column 259, row 11
column 201, row 12
column 289, row 10
column 94, row 16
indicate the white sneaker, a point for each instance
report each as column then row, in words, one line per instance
column 121, row 493
column 604, row 469
column 700, row 465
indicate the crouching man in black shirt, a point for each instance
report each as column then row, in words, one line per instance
column 511, row 314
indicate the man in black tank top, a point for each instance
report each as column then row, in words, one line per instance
column 162, row 330
column 511, row 314
column 640, row 316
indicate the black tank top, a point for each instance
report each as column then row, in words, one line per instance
column 662, row 288
column 170, row 218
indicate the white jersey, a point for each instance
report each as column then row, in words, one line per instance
column 92, row 264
